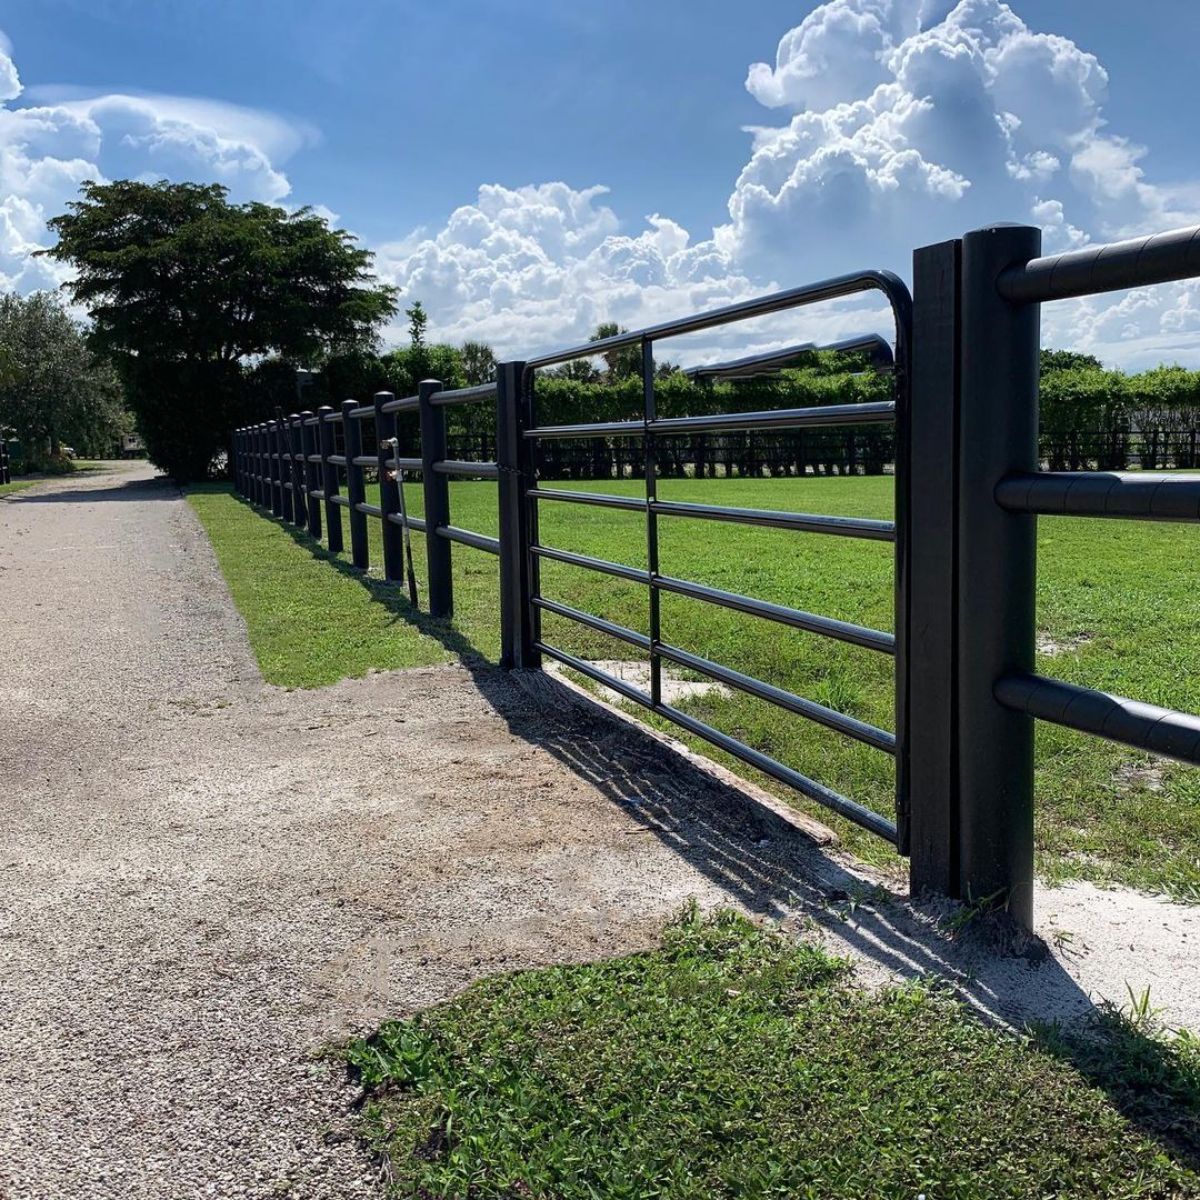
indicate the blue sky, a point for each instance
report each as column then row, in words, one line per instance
column 392, row 116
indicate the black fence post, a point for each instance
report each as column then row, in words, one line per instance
column 356, row 488
column 282, row 447
column 933, row 824
column 260, row 466
column 295, row 444
column 437, row 500
column 997, row 571
column 276, row 471
column 329, row 480
column 514, row 454
column 389, row 489
column 5, row 465
column 309, row 473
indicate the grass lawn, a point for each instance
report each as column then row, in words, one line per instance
column 735, row 1062
column 7, row 489
column 1116, row 607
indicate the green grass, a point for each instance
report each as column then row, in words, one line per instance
column 1117, row 597
column 7, row 489
column 735, row 1062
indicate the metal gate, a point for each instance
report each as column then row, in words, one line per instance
column 520, row 529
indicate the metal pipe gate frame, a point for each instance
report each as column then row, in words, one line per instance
column 968, row 492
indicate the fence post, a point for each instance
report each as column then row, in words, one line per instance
column 356, row 489
column 933, row 826
column 282, row 447
column 514, row 454
column 389, row 490
column 291, row 429
column 296, row 471
column 309, row 474
column 437, row 500
column 997, row 576
column 275, row 472
column 329, row 480
column 260, row 465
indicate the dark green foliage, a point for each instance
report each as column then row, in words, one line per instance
column 185, row 288
column 735, row 1062
column 53, row 389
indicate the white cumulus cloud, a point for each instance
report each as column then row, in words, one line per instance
column 48, row 148
column 887, row 124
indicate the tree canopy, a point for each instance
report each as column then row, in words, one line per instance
column 186, row 289
column 53, row 389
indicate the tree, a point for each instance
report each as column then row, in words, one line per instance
column 478, row 363
column 53, row 390
column 621, row 362
column 186, row 289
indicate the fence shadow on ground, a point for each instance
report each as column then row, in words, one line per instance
column 722, row 834
column 157, row 488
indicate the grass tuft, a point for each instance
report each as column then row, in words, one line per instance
column 736, row 1062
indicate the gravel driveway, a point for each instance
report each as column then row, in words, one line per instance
column 204, row 880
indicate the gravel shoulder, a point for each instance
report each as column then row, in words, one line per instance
column 206, row 881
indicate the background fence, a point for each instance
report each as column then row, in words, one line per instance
column 961, row 429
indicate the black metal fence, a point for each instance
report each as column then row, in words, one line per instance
column 968, row 486
column 5, row 463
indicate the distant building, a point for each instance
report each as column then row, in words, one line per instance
column 132, row 446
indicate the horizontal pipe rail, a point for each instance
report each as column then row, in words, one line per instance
column 829, row 289
column 1143, row 726
column 599, row 499
column 853, row 527
column 873, row 413
column 365, row 460
column 468, row 537
column 841, row 631
column 1137, row 497
column 338, row 460
column 372, row 510
column 771, row 767
column 334, row 416
column 399, row 404
column 483, row 470
column 482, row 391
column 406, row 464
column 363, row 410
column 772, row 361
column 620, row 632
column 620, row 570
column 417, row 523
column 1139, row 262
column 860, row 731
column 341, row 501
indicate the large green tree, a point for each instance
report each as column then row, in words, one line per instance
column 186, row 290
column 53, row 389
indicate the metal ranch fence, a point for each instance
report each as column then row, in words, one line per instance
column 963, row 421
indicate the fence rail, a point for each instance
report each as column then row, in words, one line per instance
column 969, row 484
